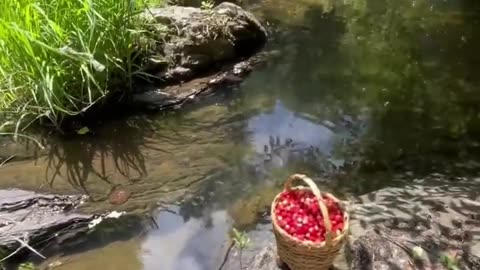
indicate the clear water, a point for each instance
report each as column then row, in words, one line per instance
column 361, row 92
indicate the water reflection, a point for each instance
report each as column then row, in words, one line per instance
column 170, row 157
column 407, row 66
column 115, row 152
column 194, row 245
column 287, row 126
column 197, row 244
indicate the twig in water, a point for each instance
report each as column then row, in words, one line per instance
column 28, row 246
column 11, row 254
column 154, row 222
column 241, row 264
column 23, row 244
column 6, row 160
column 232, row 243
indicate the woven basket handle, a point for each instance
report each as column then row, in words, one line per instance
column 317, row 193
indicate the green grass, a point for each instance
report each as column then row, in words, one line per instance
column 58, row 57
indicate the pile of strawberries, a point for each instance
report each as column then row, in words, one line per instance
column 297, row 212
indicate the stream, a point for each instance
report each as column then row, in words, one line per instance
column 364, row 94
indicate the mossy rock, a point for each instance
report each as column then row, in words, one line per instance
column 194, row 40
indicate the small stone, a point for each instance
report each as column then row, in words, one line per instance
column 119, row 196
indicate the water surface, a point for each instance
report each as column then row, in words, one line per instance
column 362, row 91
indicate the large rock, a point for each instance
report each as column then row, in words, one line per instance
column 34, row 217
column 53, row 223
column 383, row 248
column 192, row 39
column 436, row 214
column 162, row 97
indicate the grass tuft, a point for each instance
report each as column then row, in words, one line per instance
column 58, row 57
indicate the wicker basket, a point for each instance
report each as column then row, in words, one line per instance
column 307, row 255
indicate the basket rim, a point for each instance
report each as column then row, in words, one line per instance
column 308, row 243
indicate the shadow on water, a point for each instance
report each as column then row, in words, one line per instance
column 120, row 146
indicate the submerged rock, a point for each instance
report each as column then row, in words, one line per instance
column 192, row 39
column 119, row 195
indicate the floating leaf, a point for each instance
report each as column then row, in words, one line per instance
column 83, row 131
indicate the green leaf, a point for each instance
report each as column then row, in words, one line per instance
column 450, row 262
column 83, row 131
column 240, row 238
column 26, row 266
column 236, row 234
